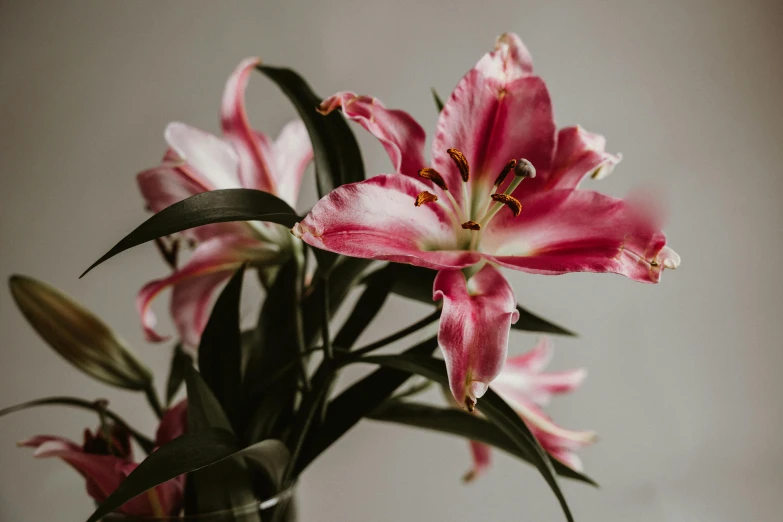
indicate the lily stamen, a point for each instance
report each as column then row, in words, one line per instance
column 425, row 197
column 434, row 176
column 464, row 171
column 503, row 173
column 471, row 225
column 510, row 201
column 462, row 163
column 522, row 169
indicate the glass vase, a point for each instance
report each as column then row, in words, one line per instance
column 280, row 508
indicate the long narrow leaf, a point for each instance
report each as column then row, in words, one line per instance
column 491, row 405
column 465, row 425
column 188, row 453
column 227, row 484
column 267, row 407
column 358, row 401
column 416, row 283
column 215, row 206
column 145, row 442
column 220, row 349
column 179, row 362
column 337, row 156
column 366, row 308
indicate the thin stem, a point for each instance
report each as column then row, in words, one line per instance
column 154, row 402
column 327, row 341
column 396, row 336
column 465, row 200
column 460, row 217
column 312, row 407
column 299, row 323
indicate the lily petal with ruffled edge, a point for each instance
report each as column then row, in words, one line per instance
column 196, row 283
column 474, row 327
column 401, row 136
column 377, row 219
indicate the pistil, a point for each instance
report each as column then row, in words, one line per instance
column 522, row 169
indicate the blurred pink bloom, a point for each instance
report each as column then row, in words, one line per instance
column 105, row 462
column 526, row 388
column 495, row 145
column 198, row 161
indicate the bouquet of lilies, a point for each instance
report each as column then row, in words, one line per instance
column 501, row 189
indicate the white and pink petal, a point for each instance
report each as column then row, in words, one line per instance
column 377, row 219
column 563, row 231
column 196, row 283
column 474, row 328
column 401, row 136
column 254, row 165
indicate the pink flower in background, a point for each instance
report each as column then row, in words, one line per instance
column 495, row 145
column 197, row 161
column 526, row 388
column 105, row 462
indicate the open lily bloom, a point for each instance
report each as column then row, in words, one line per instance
column 500, row 189
column 105, row 462
column 526, row 388
column 197, row 161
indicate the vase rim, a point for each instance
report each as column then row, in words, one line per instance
column 256, row 506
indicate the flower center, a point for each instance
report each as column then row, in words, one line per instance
column 521, row 169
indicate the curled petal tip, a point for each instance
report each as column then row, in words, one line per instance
column 669, row 258
column 297, row 231
column 470, row 404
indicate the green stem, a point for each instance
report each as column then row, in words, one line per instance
column 395, row 336
column 300, row 337
column 312, row 405
column 327, row 341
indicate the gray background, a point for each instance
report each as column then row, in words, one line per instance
column 684, row 381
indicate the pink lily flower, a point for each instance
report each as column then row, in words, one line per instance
column 198, row 161
column 105, row 462
column 526, row 388
column 495, row 146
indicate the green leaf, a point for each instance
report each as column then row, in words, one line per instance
column 78, row 335
column 204, row 410
column 530, row 322
column 366, row 308
column 416, row 283
column 491, row 405
column 358, row 401
column 99, row 407
column 463, row 424
column 186, row 454
column 227, row 484
column 268, row 407
column 337, row 156
column 214, row 206
column 438, row 100
column 180, row 361
column 346, row 274
column 270, row 456
column 220, row 349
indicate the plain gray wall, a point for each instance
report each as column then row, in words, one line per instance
column 684, row 382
